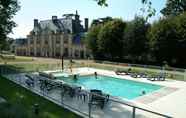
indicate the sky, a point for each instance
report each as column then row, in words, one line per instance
column 45, row 9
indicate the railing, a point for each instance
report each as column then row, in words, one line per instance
column 132, row 106
column 144, row 66
column 48, row 97
column 89, row 112
column 172, row 73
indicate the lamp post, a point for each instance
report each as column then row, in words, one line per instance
column 62, row 64
column 36, row 109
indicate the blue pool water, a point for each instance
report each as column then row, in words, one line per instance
column 116, row 87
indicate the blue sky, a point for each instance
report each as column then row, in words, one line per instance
column 44, row 9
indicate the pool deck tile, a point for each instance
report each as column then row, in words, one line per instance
column 149, row 98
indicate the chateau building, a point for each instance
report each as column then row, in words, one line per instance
column 20, row 46
column 56, row 37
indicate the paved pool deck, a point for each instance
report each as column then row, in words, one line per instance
column 169, row 100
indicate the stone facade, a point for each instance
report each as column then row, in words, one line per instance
column 56, row 37
column 20, row 46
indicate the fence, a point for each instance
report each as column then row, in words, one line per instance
column 82, row 108
column 143, row 66
column 134, row 108
column 47, row 96
column 173, row 73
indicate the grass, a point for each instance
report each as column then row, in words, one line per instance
column 16, row 59
column 52, row 64
column 15, row 94
column 40, row 66
column 170, row 74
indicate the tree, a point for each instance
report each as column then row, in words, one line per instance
column 92, row 39
column 8, row 9
column 110, row 39
column 181, row 37
column 135, row 38
column 101, row 20
column 168, row 40
column 102, row 2
column 162, row 39
column 174, row 7
column 147, row 8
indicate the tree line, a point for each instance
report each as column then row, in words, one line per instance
column 138, row 41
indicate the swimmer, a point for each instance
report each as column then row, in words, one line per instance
column 75, row 77
column 143, row 92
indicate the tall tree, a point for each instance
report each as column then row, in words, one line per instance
column 8, row 9
column 101, row 20
column 168, row 40
column 135, row 38
column 102, row 2
column 147, row 8
column 110, row 39
column 174, row 7
column 92, row 39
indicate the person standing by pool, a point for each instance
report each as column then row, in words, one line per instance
column 96, row 75
column 70, row 63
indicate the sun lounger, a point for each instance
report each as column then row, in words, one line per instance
column 120, row 73
column 160, row 77
column 134, row 75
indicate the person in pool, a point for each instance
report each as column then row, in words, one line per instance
column 143, row 92
column 75, row 77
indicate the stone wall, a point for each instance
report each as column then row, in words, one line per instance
column 51, row 45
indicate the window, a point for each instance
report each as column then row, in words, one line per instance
column 57, row 41
column 46, row 42
column 31, row 41
column 66, row 52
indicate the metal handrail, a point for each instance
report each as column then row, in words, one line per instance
column 46, row 96
column 113, row 100
column 133, row 106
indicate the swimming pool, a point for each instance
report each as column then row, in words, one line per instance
column 122, row 88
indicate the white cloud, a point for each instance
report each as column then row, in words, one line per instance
column 21, row 31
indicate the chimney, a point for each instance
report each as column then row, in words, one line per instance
column 86, row 24
column 77, row 16
column 54, row 17
column 36, row 23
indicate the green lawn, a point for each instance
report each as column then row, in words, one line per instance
column 16, row 59
column 17, row 95
column 40, row 64
column 170, row 74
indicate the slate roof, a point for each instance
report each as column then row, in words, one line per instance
column 21, row 41
column 69, row 23
column 58, row 25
